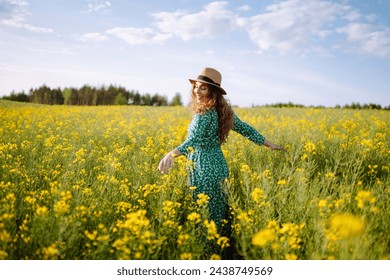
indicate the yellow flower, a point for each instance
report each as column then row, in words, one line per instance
column 374, row 210
column 61, row 207
column 215, row 257
column 137, row 255
column 291, row 257
column 167, row 206
column 203, row 199
column 362, row 197
column 186, row 256
column 266, row 173
column 182, row 238
column 339, row 203
column 223, row 242
column 91, row 235
column 322, row 203
column 346, row 225
column 310, row 148
column 257, row 194
column 42, row 210
column 49, row 253
column 263, row 237
column 5, row 236
column 330, row 175
column 211, row 230
column 282, row 182
column 245, row 168
column 272, row 224
column 3, row 255
column 169, row 223
column 194, row 217
column 29, row 199
column 244, row 217
column 123, row 207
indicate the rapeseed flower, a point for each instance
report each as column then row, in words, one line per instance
column 4, row 236
column 310, row 148
column 61, row 207
column 323, row 203
column 42, row 210
column 363, row 198
column 263, row 237
column 186, row 256
column 346, row 225
column 282, row 182
column 291, row 256
column 50, row 252
column 223, row 242
column 168, row 223
column 245, row 217
column 203, row 199
column 215, row 257
column 211, row 227
column 257, row 195
column 3, row 255
column 194, row 217
column 245, row 168
column 182, row 238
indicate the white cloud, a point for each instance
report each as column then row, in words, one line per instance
column 54, row 51
column 353, row 15
column 213, row 20
column 98, row 6
column 14, row 14
column 288, row 26
column 93, row 36
column 17, row 23
column 138, row 36
column 304, row 26
column 244, row 8
column 292, row 25
column 368, row 39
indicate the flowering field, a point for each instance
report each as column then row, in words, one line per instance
column 82, row 183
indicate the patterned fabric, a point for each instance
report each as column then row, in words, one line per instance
column 208, row 169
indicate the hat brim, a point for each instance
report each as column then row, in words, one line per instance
column 205, row 82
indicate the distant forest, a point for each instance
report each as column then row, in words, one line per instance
column 116, row 95
column 92, row 96
column 353, row 105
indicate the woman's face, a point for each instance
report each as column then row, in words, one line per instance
column 201, row 91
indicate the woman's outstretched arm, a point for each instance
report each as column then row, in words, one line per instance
column 253, row 135
column 168, row 160
column 273, row 146
column 196, row 131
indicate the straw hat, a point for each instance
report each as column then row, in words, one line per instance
column 210, row 76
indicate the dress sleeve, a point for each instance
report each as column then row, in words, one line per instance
column 196, row 132
column 248, row 131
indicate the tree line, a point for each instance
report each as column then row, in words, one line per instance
column 353, row 105
column 92, row 96
column 117, row 95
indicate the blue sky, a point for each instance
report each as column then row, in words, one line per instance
column 311, row 52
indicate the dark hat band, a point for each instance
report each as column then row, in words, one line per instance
column 206, row 79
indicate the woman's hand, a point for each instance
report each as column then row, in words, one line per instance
column 277, row 147
column 273, row 146
column 166, row 163
column 168, row 160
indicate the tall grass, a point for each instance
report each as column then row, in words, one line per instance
column 81, row 183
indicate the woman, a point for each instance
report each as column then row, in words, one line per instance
column 209, row 129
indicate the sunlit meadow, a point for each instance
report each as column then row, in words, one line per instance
column 82, row 183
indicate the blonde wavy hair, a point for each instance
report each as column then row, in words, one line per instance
column 215, row 100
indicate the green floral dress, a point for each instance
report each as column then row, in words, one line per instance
column 208, row 169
